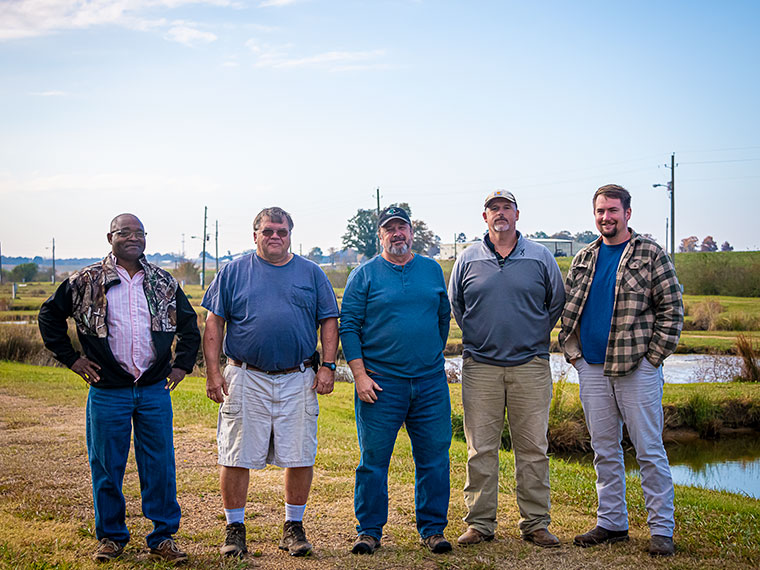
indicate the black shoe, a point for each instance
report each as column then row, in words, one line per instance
column 107, row 550
column 437, row 544
column 234, row 544
column 599, row 535
column 294, row 539
column 661, row 545
column 365, row 544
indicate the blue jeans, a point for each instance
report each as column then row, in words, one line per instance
column 425, row 406
column 111, row 413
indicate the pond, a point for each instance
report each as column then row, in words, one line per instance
column 678, row 368
column 726, row 465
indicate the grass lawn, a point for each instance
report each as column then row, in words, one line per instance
column 46, row 518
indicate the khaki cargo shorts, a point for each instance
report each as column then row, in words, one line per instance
column 268, row 419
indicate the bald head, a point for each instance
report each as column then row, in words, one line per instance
column 124, row 218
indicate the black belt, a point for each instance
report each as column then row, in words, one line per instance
column 244, row 365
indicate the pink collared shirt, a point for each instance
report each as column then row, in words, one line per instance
column 128, row 320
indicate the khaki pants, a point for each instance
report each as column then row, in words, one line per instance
column 526, row 392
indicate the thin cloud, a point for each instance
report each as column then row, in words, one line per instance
column 188, row 35
column 278, row 57
column 32, row 18
column 276, row 3
column 49, row 93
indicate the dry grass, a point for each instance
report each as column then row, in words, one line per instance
column 46, row 516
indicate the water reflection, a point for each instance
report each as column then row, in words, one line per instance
column 726, row 465
column 678, row 368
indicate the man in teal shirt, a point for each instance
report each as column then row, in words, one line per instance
column 394, row 325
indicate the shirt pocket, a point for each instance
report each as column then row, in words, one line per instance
column 303, row 296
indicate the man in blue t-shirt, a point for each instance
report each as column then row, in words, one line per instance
column 272, row 303
column 394, row 325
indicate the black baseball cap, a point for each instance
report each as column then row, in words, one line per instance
column 393, row 213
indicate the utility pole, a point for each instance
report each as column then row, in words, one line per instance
column 53, row 276
column 377, row 237
column 672, row 205
column 183, row 247
column 455, row 245
column 216, row 246
column 1, row 262
column 666, row 235
column 203, row 263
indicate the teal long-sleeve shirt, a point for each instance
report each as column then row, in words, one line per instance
column 396, row 317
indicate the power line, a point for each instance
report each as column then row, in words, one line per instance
column 722, row 161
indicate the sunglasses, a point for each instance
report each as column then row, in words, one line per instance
column 282, row 232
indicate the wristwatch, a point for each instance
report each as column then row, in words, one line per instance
column 330, row 365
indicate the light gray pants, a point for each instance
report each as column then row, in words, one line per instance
column 636, row 400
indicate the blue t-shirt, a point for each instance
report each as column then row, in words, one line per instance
column 272, row 311
column 396, row 317
column 596, row 317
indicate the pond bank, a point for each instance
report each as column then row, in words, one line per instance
column 691, row 412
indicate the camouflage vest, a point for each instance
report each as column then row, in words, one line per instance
column 89, row 304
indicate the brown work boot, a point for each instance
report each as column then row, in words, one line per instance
column 107, row 550
column 599, row 535
column 234, row 543
column 437, row 544
column 661, row 545
column 542, row 538
column 294, row 539
column 473, row 536
column 169, row 551
column 365, row 544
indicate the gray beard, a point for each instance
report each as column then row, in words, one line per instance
column 399, row 250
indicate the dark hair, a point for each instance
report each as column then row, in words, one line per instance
column 275, row 214
column 614, row 191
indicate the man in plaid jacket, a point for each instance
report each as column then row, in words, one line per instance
column 622, row 318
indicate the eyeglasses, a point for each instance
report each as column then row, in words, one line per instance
column 282, row 232
column 139, row 234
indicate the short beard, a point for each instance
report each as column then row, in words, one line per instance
column 399, row 250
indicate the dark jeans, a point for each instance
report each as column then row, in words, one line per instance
column 111, row 413
column 424, row 405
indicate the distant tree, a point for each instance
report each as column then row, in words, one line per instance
column 331, row 251
column 43, row 275
column 316, row 254
column 461, row 238
column 538, row 235
column 688, row 244
column 726, row 247
column 423, row 237
column 585, row 236
column 361, row 233
column 435, row 247
column 24, row 272
column 708, row 244
column 188, row 272
column 564, row 234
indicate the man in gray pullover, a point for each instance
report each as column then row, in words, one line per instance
column 506, row 294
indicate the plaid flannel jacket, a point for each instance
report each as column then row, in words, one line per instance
column 648, row 313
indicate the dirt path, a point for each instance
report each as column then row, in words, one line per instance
column 46, row 510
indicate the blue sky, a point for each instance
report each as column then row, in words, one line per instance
column 161, row 107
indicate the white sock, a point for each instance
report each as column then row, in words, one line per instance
column 235, row 515
column 294, row 512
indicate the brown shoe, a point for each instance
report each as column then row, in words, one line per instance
column 365, row 544
column 542, row 538
column 661, row 545
column 599, row 535
column 169, row 551
column 107, row 550
column 437, row 544
column 473, row 536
